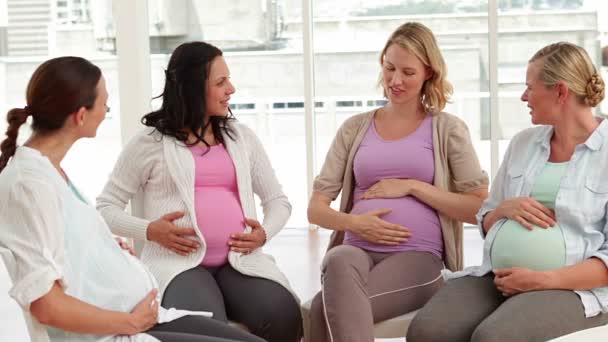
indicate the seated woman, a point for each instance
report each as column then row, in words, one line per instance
column 409, row 176
column 544, row 272
column 71, row 274
column 196, row 170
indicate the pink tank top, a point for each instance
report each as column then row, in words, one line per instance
column 216, row 200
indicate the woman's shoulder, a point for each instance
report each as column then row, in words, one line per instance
column 536, row 133
column 146, row 139
column 449, row 121
column 358, row 120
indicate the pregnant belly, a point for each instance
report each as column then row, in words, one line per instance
column 421, row 220
column 218, row 214
column 537, row 249
column 405, row 211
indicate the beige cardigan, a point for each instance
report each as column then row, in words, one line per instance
column 457, row 169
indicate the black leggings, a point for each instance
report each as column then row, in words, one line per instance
column 199, row 329
column 266, row 308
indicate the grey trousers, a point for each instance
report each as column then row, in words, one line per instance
column 361, row 288
column 472, row 309
column 266, row 308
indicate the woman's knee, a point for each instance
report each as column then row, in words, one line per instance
column 424, row 329
column 344, row 258
column 281, row 321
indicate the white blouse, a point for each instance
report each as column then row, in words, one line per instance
column 55, row 236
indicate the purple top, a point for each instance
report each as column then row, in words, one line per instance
column 407, row 158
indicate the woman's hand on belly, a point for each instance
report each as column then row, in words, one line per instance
column 164, row 232
column 145, row 314
column 125, row 246
column 248, row 242
column 514, row 280
column 372, row 228
column 526, row 211
column 389, row 188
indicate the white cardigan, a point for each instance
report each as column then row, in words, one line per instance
column 160, row 170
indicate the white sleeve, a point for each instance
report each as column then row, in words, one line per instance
column 275, row 205
column 32, row 229
column 130, row 174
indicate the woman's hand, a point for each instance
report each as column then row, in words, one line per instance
column 374, row 229
column 247, row 242
column 511, row 281
column 167, row 234
column 125, row 246
column 527, row 211
column 145, row 314
column 389, row 188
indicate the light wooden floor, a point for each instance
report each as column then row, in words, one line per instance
column 298, row 252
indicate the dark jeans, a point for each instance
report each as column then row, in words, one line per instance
column 266, row 308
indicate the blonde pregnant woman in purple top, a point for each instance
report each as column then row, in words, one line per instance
column 409, row 177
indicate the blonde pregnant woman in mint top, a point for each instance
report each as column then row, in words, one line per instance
column 545, row 261
column 537, row 249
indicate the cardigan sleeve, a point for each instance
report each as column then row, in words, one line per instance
column 275, row 205
column 465, row 169
column 130, row 174
column 330, row 180
column 34, row 235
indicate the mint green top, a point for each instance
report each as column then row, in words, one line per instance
column 538, row 249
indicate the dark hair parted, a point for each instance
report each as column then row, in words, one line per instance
column 183, row 108
column 59, row 87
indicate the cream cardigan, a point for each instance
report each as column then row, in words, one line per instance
column 156, row 173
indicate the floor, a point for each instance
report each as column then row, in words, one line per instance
column 298, row 252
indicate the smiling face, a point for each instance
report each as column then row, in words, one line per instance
column 403, row 75
column 218, row 88
column 540, row 98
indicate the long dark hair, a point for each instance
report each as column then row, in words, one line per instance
column 58, row 88
column 183, row 108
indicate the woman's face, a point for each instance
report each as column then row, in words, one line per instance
column 403, row 75
column 96, row 114
column 218, row 88
column 540, row 98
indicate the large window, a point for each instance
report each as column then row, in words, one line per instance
column 523, row 28
column 348, row 40
column 263, row 42
column 34, row 31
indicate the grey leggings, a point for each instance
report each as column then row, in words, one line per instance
column 360, row 288
column 472, row 309
column 266, row 308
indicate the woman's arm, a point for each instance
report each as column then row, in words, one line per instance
column 132, row 170
column 589, row 274
column 59, row 310
column 586, row 275
column 320, row 213
column 369, row 226
column 458, row 206
column 275, row 205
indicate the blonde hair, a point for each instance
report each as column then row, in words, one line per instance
column 420, row 41
column 572, row 65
